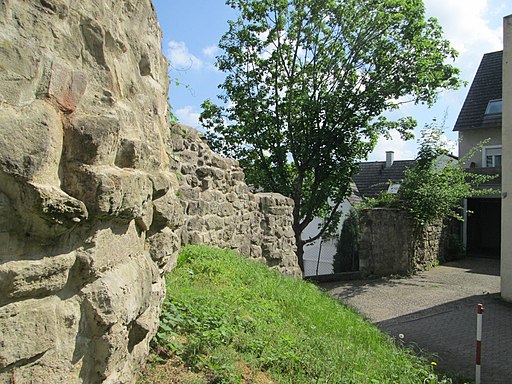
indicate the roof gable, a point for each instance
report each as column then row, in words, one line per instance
column 486, row 86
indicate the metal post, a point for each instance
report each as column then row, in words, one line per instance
column 465, row 225
column 479, row 311
column 319, row 254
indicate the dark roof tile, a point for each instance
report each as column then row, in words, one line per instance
column 373, row 177
column 486, row 86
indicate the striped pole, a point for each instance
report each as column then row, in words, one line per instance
column 479, row 311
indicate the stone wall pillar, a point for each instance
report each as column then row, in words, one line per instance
column 385, row 246
column 392, row 243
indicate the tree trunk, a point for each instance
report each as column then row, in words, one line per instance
column 300, row 251
column 296, row 221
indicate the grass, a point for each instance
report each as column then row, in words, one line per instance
column 227, row 319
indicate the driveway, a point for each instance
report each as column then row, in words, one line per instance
column 435, row 311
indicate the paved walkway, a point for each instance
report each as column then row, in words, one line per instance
column 436, row 311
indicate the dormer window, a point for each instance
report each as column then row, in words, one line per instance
column 494, row 107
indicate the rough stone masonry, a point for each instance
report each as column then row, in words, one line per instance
column 97, row 193
column 220, row 210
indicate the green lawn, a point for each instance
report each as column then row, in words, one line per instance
column 227, row 319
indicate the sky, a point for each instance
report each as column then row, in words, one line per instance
column 193, row 28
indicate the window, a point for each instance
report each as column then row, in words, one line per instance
column 494, row 107
column 393, row 188
column 492, row 156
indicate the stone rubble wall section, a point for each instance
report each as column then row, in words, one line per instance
column 90, row 218
column 220, row 210
column 86, row 198
column 391, row 243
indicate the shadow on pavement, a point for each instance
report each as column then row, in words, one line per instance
column 479, row 265
column 450, row 330
column 356, row 288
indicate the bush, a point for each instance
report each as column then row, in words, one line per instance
column 434, row 189
column 346, row 258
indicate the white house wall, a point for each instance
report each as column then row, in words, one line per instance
column 325, row 249
column 468, row 139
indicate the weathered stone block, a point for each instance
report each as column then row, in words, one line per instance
column 195, row 237
column 121, row 295
column 56, row 206
column 33, row 328
column 237, row 175
column 188, row 157
column 168, row 211
column 225, row 210
column 66, row 86
column 203, row 172
column 200, row 208
column 188, row 194
column 19, row 71
column 109, row 191
column 162, row 182
column 34, row 278
column 163, row 248
column 213, row 222
column 219, row 162
column 110, row 245
column 94, row 39
column 207, row 183
column 31, row 142
column 92, row 139
column 195, row 223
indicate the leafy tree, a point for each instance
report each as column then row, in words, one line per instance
column 435, row 187
column 307, row 82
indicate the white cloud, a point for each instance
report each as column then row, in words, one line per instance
column 451, row 145
column 181, row 58
column 188, row 116
column 211, row 51
column 474, row 27
column 404, row 150
column 470, row 27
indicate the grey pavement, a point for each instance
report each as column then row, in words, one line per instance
column 435, row 311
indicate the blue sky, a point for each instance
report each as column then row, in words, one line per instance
column 192, row 29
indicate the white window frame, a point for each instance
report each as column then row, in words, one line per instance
column 393, row 188
column 484, row 154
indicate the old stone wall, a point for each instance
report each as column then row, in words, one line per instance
column 83, row 168
column 91, row 205
column 392, row 243
column 221, row 210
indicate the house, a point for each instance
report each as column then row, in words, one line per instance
column 479, row 120
column 506, row 227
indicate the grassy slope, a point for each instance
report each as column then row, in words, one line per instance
column 234, row 320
